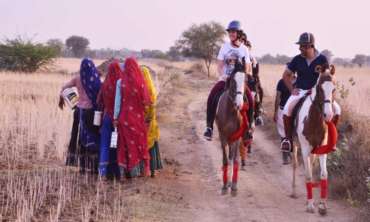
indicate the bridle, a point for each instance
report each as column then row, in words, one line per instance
column 319, row 105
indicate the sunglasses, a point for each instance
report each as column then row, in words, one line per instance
column 305, row 46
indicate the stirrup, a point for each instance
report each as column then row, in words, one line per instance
column 285, row 145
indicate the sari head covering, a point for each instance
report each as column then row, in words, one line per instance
column 90, row 80
column 132, row 131
column 108, row 90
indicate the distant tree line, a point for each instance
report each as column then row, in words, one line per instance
column 198, row 41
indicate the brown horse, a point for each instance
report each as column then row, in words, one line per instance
column 229, row 120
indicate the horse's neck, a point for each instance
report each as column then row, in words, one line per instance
column 307, row 109
column 311, row 122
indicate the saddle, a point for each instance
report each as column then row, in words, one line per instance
column 296, row 110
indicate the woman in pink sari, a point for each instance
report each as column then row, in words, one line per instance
column 132, row 97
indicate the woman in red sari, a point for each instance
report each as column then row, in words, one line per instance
column 132, row 96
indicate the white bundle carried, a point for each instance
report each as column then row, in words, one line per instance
column 114, row 138
column 97, row 118
column 70, row 96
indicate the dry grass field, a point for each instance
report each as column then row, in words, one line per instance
column 34, row 135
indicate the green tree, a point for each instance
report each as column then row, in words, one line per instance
column 78, row 45
column 24, row 55
column 328, row 54
column 57, row 44
column 202, row 41
column 359, row 59
column 174, row 53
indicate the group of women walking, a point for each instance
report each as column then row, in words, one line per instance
column 126, row 100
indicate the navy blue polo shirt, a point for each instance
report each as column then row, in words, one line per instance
column 306, row 75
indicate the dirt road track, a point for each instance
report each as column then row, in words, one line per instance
column 264, row 187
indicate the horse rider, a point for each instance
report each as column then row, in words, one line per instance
column 228, row 54
column 304, row 65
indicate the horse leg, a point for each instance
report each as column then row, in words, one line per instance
column 295, row 165
column 235, row 159
column 224, row 170
column 323, row 185
column 309, row 184
column 243, row 155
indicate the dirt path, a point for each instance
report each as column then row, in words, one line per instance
column 264, row 187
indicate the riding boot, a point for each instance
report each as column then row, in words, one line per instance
column 287, row 142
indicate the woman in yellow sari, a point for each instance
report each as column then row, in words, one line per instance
column 152, row 124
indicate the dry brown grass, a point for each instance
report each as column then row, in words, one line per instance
column 35, row 184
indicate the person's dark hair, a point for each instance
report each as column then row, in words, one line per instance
column 243, row 36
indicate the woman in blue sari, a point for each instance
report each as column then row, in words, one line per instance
column 88, row 85
column 89, row 134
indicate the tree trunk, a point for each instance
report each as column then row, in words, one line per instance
column 208, row 66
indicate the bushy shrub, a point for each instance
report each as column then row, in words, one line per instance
column 24, row 55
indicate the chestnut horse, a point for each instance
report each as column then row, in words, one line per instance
column 229, row 121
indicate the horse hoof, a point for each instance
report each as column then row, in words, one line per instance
column 224, row 190
column 234, row 189
column 322, row 209
column 234, row 192
column 310, row 208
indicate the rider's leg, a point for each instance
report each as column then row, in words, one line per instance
column 287, row 143
column 280, row 123
column 337, row 112
column 212, row 103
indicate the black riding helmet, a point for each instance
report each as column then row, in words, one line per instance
column 306, row 39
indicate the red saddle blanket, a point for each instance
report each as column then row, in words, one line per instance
column 332, row 140
column 244, row 125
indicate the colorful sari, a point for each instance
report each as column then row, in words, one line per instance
column 153, row 130
column 133, row 155
column 108, row 156
column 89, row 134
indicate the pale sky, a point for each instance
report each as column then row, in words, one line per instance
column 273, row 26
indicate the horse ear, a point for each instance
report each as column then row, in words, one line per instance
column 332, row 69
column 318, row 69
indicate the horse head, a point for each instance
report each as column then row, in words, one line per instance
column 235, row 84
column 325, row 89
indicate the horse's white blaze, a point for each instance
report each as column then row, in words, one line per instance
column 239, row 79
column 328, row 88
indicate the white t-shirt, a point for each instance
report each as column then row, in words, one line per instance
column 228, row 51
